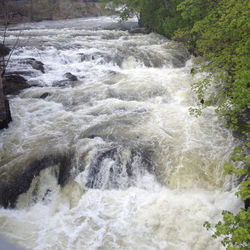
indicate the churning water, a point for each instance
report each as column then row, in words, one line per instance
column 112, row 159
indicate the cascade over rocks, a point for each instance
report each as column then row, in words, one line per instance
column 117, row 167
column 35, row 64
column 11, row 191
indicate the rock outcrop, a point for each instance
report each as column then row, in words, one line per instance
column 10, row 190
column 13, row 84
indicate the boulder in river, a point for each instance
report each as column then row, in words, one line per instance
column 13, row 84
column 10, row 191
column 67, row 82
column 70, row 77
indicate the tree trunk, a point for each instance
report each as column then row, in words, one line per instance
column 166, row 2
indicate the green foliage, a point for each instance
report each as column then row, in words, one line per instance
column 223, row 39
column 235, row 230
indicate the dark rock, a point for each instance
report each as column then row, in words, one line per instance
column 44, row 95
column 21, row 184
column 38, row 66
column 5, row 115
column 13, row 84
column 70, row 77
column 34, row 64
column 100, row 56
column 4, row 51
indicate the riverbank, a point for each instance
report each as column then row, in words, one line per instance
column 49, row 10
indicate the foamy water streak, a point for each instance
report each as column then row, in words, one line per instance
column 118, row 162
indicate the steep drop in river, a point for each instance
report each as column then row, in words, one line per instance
column 110, row 157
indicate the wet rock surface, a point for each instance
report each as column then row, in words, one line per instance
column 70, row 77
column 5, row 115
column 21, row 184
column 4, row 51
column 13, row 84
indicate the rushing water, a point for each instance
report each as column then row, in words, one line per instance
column 112, row 160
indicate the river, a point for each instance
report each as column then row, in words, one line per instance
column 112, row 159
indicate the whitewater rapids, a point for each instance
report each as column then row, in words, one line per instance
column 122, row 164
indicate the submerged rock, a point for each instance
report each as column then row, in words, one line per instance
column 62, row 83
column 44, row 95
column 13, row 84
